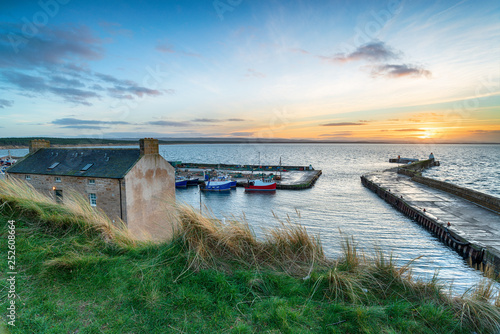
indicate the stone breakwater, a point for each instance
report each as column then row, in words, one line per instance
column 469, row 223
column 485, row 200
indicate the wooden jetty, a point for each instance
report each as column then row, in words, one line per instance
column 287, row 177
column 465, row 220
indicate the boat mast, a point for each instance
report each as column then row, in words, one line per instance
column 280, row 168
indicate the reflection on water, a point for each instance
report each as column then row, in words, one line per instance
column 338, row 201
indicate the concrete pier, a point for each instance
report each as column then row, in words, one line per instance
column 473, row 230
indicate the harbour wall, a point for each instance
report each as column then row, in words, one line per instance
column 476, row 254
column 481, row 199
column 414, row 170
column 264, row 168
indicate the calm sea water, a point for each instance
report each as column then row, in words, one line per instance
column 338, row 204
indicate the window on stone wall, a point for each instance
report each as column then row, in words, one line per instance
column 91, row 181
column 58, row 179
column 28, row 177
column 93, row 199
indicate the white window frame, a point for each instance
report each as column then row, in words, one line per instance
column 93, row 199
column 92, row 182
column 27, row 177
column 58, row 179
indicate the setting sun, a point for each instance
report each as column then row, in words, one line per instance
column 429, row 133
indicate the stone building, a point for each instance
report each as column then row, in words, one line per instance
column 128, row 184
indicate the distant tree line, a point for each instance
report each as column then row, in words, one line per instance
column 64, row 141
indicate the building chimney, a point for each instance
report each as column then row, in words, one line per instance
column 148, row 146
column 37, row 144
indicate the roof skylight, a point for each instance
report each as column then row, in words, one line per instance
column 54, row 165
column 87, row 166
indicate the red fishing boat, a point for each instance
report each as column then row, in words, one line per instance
column 260, row 185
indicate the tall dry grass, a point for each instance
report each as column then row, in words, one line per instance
column 357, row 278
column 214, row 243
column 75, row 213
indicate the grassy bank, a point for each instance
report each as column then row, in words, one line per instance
column 79, row 274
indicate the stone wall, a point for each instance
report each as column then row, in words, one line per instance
column 150, row 193
column 487, row 201
column 106, row 190
column 416, row 168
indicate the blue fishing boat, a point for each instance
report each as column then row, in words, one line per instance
column 192, row 181
column 225, row 177
column 180, row 182
column 216, row 186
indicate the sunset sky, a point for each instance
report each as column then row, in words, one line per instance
column 328, row 70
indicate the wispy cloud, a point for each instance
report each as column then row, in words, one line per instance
column 119, row 91
column 485, row 131
column 25, row 81
column 255, row 74
column 397, row 71
column 374, row 51
column 299, row 50
column 165, row 48
column 342, row 124
column 5, row 103
column 72, row 122
column 337, row 134
column 215, row 120
column 114, row 29
column 111, row 79
column 378, row 53
column 242, row 134
column 169, row 123
column 59, row 80
column 410, row 130
column 206, row 120
column 35, row 84
column 74, row 95
column 89, row 127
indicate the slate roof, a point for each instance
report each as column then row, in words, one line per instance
column 106, row 163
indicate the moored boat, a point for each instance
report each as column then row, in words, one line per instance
column 225, row 177
column 192, row 181
column 260, row 185
column 180, row 182
column 216, row 186
column 228, row 178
